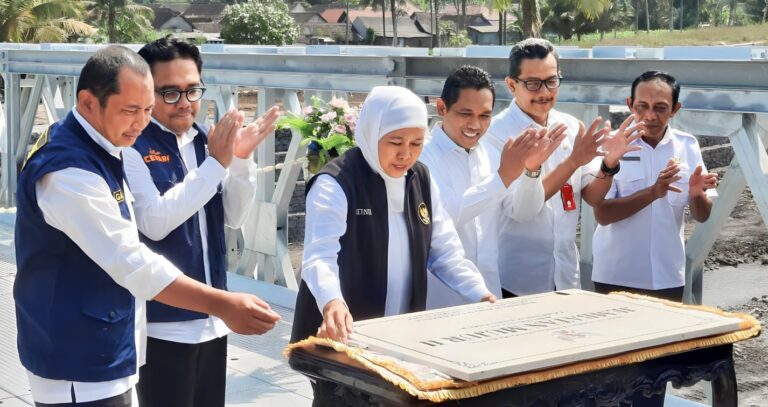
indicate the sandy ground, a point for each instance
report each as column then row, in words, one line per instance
column 744, row 239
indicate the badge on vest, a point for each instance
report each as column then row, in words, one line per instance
column 363, row 212
column 41, row 141
column 424, row 213
column 118, row 195
column 156, row 156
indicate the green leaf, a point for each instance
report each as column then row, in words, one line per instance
column 333, row 141
column 296, row 123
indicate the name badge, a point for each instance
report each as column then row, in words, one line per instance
column 635, row 158
column 566, row 194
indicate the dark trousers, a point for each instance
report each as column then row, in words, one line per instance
column 672, row 294
column 183, row 375
column 121, row 400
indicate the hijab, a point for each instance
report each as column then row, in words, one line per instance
column 386, row 109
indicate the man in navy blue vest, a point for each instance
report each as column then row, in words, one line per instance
column 188, row 184
column 83, row 275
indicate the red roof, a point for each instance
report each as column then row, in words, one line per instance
column 332, row 15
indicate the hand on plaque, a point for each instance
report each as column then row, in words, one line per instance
column 488, row 298
column 337, row 321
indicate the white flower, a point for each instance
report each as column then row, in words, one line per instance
column 307, row 110
column 340, row 128
column 328, row 117
column 337, row 103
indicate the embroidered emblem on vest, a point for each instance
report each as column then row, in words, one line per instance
column 41, row 141
column 118, row 195
column 156, row 156
column 363, row 212
column 424, row 213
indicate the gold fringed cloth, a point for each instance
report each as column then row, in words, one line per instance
column 427, row 384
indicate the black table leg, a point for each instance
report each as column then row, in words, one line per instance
column 724, row 391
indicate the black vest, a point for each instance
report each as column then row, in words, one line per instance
column 363, row 256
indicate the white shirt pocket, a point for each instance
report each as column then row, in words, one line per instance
column 680, row 198
column 630, row 179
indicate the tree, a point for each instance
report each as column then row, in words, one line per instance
column 459, row 40
column 502, row 6
column 260, row 22
column 42, row 21
column 121, row 21
column 647, row 19
column 591, row 9
column 568, row 17
column 393, row 8
column 530, row 10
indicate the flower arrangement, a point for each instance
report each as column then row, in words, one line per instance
column 328, row 129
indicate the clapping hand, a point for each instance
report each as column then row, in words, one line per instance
column 548, row 140
column 666, row 177
column 252, row 135
column 587, row 144
column 620, row 142
column 701, row 181
column 221, row 137
column 514, row 153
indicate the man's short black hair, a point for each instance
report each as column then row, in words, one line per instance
column 99, row 75
column 531, row 48
column 657, row 76
column 465, row 77
column 167, row 49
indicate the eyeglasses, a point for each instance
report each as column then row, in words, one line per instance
column 172, row 96
column 535, row 84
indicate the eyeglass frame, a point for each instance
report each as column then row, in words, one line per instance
column 163, row 92
column 542, row 82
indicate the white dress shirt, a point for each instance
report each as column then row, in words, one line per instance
column 646, row 250
column 472, row 193
column 326, row 222
column 80, row 204
column 538, row 253
column 158, row 215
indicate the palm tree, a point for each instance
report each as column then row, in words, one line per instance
column 531, row 18
column 393, row 9
column 502, row 6
column 110, row 14
column 591, row 9
column 41, row 20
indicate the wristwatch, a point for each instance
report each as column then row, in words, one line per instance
column 610, row 171
column 533, row 174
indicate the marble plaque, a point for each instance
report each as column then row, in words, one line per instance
column 481, row 341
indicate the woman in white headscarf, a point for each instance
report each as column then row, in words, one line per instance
column 374, row 225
